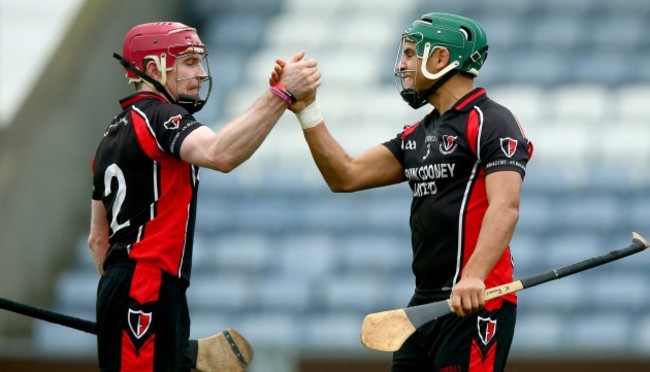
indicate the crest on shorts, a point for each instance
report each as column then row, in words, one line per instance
column 487, row 328
column 174, row 122
column 508, row 146
column 448, row 144
column 139, row 322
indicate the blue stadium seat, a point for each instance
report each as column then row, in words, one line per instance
column 305, row 256
column 535, row 213
column 563, row 295
column 569, row 247
column 207, row 9
column 639, row 215
column 400, row 290
column 245, row 253
column 503, row 30
column 356, row 292
column 596, row 213
column 622, row 289
column 234, row 30
column 289, row 292
column 641, row 335
column 602, row 66
column 227, row 292
column 333, row 330
column 274, row 330
column 537, row 66
column 539, row 331
column 77, row 289
column 562, row 33
column 525, row 101
column 580, row 103
column 618, row 34
column 374, row 252
column 55, row 340
column 599, row 331
column 579, row 9
column 527, row 252
column 517, row 9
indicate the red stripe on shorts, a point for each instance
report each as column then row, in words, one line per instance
column 479, row 362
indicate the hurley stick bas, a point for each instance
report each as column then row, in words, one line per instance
column 388, row 330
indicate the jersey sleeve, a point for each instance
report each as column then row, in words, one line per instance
column 395, row 146
column 503, row 145
column 171, row 126
column 98, row 190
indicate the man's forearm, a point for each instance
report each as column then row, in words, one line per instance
column 497, row 230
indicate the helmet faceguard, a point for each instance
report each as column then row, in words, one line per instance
column 463, row 38
column 165, row 43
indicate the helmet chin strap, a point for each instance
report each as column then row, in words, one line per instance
column 417, row 99
column 191, row 104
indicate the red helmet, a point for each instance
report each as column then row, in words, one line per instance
column 161, row 41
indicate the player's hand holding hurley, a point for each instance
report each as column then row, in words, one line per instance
column 468, row 296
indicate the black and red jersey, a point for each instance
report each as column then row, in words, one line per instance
column 445, row 160
column 149, row 193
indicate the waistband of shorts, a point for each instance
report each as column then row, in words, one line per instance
column 431, row 295
column 119, row 260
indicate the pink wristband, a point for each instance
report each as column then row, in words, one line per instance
column 279, row 90
column 281, row 94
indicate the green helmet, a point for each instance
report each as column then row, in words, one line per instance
column 464, row 38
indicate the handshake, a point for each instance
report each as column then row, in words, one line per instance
column 295, row 81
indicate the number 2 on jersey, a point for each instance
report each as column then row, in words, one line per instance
column 114, row 171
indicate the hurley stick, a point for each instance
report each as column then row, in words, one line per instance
column 227, row 351
column 49, row 316
column 388, row 330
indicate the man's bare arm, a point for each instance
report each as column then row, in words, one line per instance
column 98, row 236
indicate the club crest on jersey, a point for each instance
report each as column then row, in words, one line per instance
column 173, row 122
column 487, row 328
column 448, row 144
column 508, row 146
column 139, row 322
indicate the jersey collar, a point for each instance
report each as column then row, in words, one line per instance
column 139, row 96
column 470, row 100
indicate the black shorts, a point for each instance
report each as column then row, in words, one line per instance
column 143, row 320
column 477, row 343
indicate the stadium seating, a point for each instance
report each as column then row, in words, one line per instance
column 292, row 265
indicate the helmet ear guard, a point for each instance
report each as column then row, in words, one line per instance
column 143, row 76
column 428, row 50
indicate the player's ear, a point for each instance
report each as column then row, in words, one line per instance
column 442, row 57
column 439, row 59
column 151, row 68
